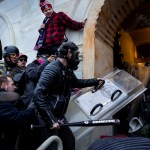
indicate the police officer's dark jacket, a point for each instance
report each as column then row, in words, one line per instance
column 53, row 90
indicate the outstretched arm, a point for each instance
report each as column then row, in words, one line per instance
column 70, row 23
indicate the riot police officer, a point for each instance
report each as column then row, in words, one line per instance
column 10, row 55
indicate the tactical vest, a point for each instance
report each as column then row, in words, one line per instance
column 10, row 71
column 2, row 68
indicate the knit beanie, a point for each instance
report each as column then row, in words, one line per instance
column 44, row 4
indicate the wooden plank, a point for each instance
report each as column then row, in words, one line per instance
column 102, row 19
column 105, row 32
column 102, row 24
column 110, row 30
column 122, row 13
column 113, row 25
column 104, row 38
column 105, row 15
column 117, row 23
column 106, row 26
column 117, row 3
column 101, row 39
column 119, row 18
column 118, row 7
column 107, row 20
column 114, row 19
column 127, row 8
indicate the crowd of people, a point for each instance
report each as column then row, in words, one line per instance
column 39, row 93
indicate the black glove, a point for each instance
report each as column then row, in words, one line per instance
column 99, row 85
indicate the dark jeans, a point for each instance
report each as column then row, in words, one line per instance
column 67, row 138
column 53, row 49
column 64, row 133
column 49, row 50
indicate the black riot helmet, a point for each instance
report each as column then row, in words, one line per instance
column 8, row 51
column 63, row 51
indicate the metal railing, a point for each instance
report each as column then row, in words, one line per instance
column 51, row 139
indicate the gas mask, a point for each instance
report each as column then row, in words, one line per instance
column 74, row 61
column 71, row 47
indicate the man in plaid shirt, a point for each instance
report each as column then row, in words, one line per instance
column 52, row 31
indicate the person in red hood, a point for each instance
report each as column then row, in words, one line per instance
column 52, row 31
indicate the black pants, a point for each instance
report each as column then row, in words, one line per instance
column 67, row 138
column 64, row 133
column 49, row 50
column 53, row 49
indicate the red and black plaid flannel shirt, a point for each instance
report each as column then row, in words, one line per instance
column 56, row 28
